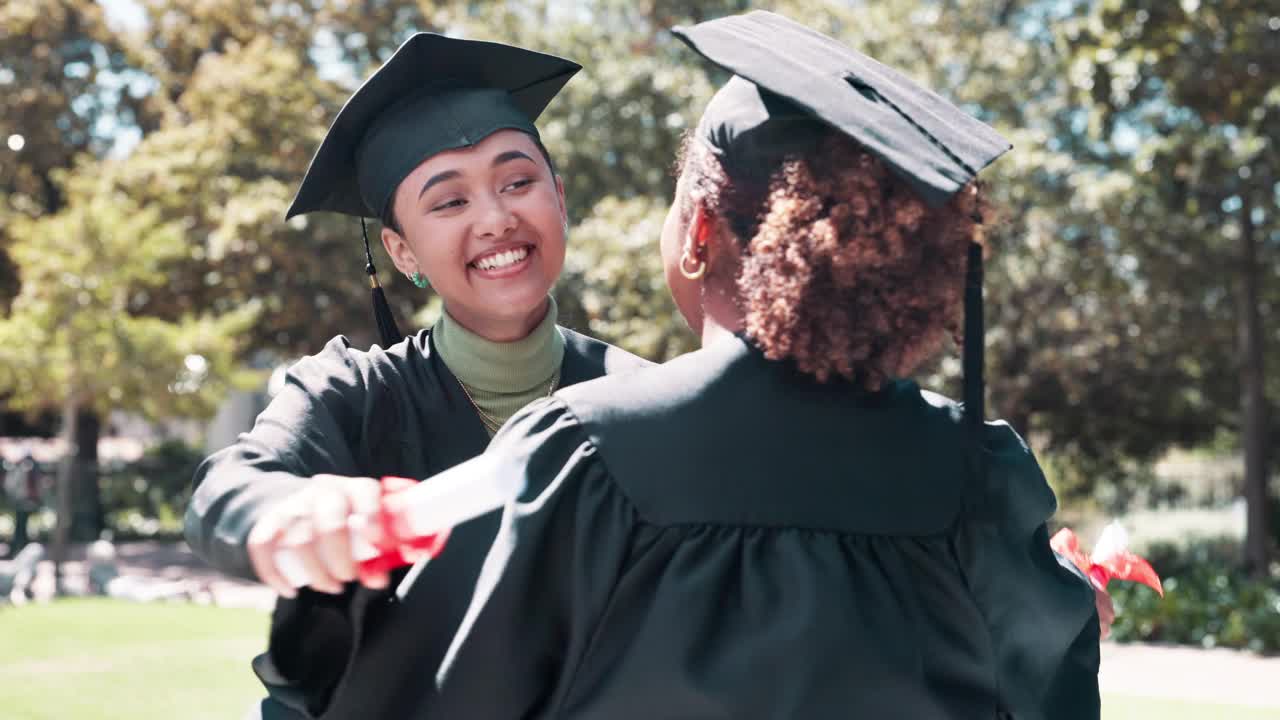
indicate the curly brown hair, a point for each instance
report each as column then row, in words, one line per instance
column 845, row 270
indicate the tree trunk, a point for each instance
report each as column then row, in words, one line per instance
column 21, row 536
column 78, row 505
column 1253, row 400
column 86, row 509
column 63, row 495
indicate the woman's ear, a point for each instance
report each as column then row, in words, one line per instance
column 717, row 246
column 399, row 251
column 701, row 230
column 564, row 207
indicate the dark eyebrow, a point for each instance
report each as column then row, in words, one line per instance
column 437, row 179
column 508, row 156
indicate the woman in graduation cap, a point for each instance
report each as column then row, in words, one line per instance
column 440, row 145
column 781, row 525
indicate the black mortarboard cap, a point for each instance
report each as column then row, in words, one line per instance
column 435, row 93
column 784, row 70
column 794, row 70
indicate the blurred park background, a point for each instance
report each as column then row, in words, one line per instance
column 150, row 289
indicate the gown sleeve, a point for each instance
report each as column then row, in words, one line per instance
column 1039, row 608
column 548, row 575
column 309, row 428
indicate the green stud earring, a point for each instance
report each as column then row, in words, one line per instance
column 419, row 279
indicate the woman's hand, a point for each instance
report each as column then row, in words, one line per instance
column 313, row 528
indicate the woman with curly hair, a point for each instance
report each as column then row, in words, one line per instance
column 781, row 525
column 834, row 265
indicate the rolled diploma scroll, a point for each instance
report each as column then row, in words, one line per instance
column 439, row 503
column 442, row 502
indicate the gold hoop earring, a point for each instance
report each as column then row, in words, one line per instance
column 692, row 274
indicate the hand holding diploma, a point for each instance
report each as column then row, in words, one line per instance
column 342, row 529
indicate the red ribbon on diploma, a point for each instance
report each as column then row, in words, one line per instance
column 414, row 518
column 1111, row 559
column 389, row 538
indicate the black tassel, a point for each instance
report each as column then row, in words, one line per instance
column 974, row 383
column 387, row 328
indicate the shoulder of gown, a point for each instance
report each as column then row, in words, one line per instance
column 901, row 455
column 587, row 358
column 884, row 463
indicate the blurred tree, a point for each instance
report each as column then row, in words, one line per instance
column 224, row 165
column 243, row 108
column 1182, row 93
column 61, row 94
column 74, row 338
column 53, row 105
column 83, row 90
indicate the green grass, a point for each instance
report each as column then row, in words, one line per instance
column 102, row 659
column 95, row 659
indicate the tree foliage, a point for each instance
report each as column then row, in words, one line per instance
column 1187, row 83
column 74, row 334
column 53, row 56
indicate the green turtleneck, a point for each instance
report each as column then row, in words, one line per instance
column 502, row 377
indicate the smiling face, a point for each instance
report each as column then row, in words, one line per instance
column 486, row 226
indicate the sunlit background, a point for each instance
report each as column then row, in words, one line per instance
column 150, row 291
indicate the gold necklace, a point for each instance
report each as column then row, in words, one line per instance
column 491, row 423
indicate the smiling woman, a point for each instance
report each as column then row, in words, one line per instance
column 486, row 226
column 440, row 143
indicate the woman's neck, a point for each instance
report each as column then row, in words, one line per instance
column 713, row 331
column 502, row 330
column 501, row 366
column 721, row 314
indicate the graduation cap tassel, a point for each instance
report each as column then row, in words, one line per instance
column 387, row 327
column 974, row 384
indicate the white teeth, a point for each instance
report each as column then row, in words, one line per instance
column 502, row 259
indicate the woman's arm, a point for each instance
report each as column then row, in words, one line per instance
column 1040, row 611
column 291, row 481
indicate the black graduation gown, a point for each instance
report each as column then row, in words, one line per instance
column 398, row 411
column 721, row 537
